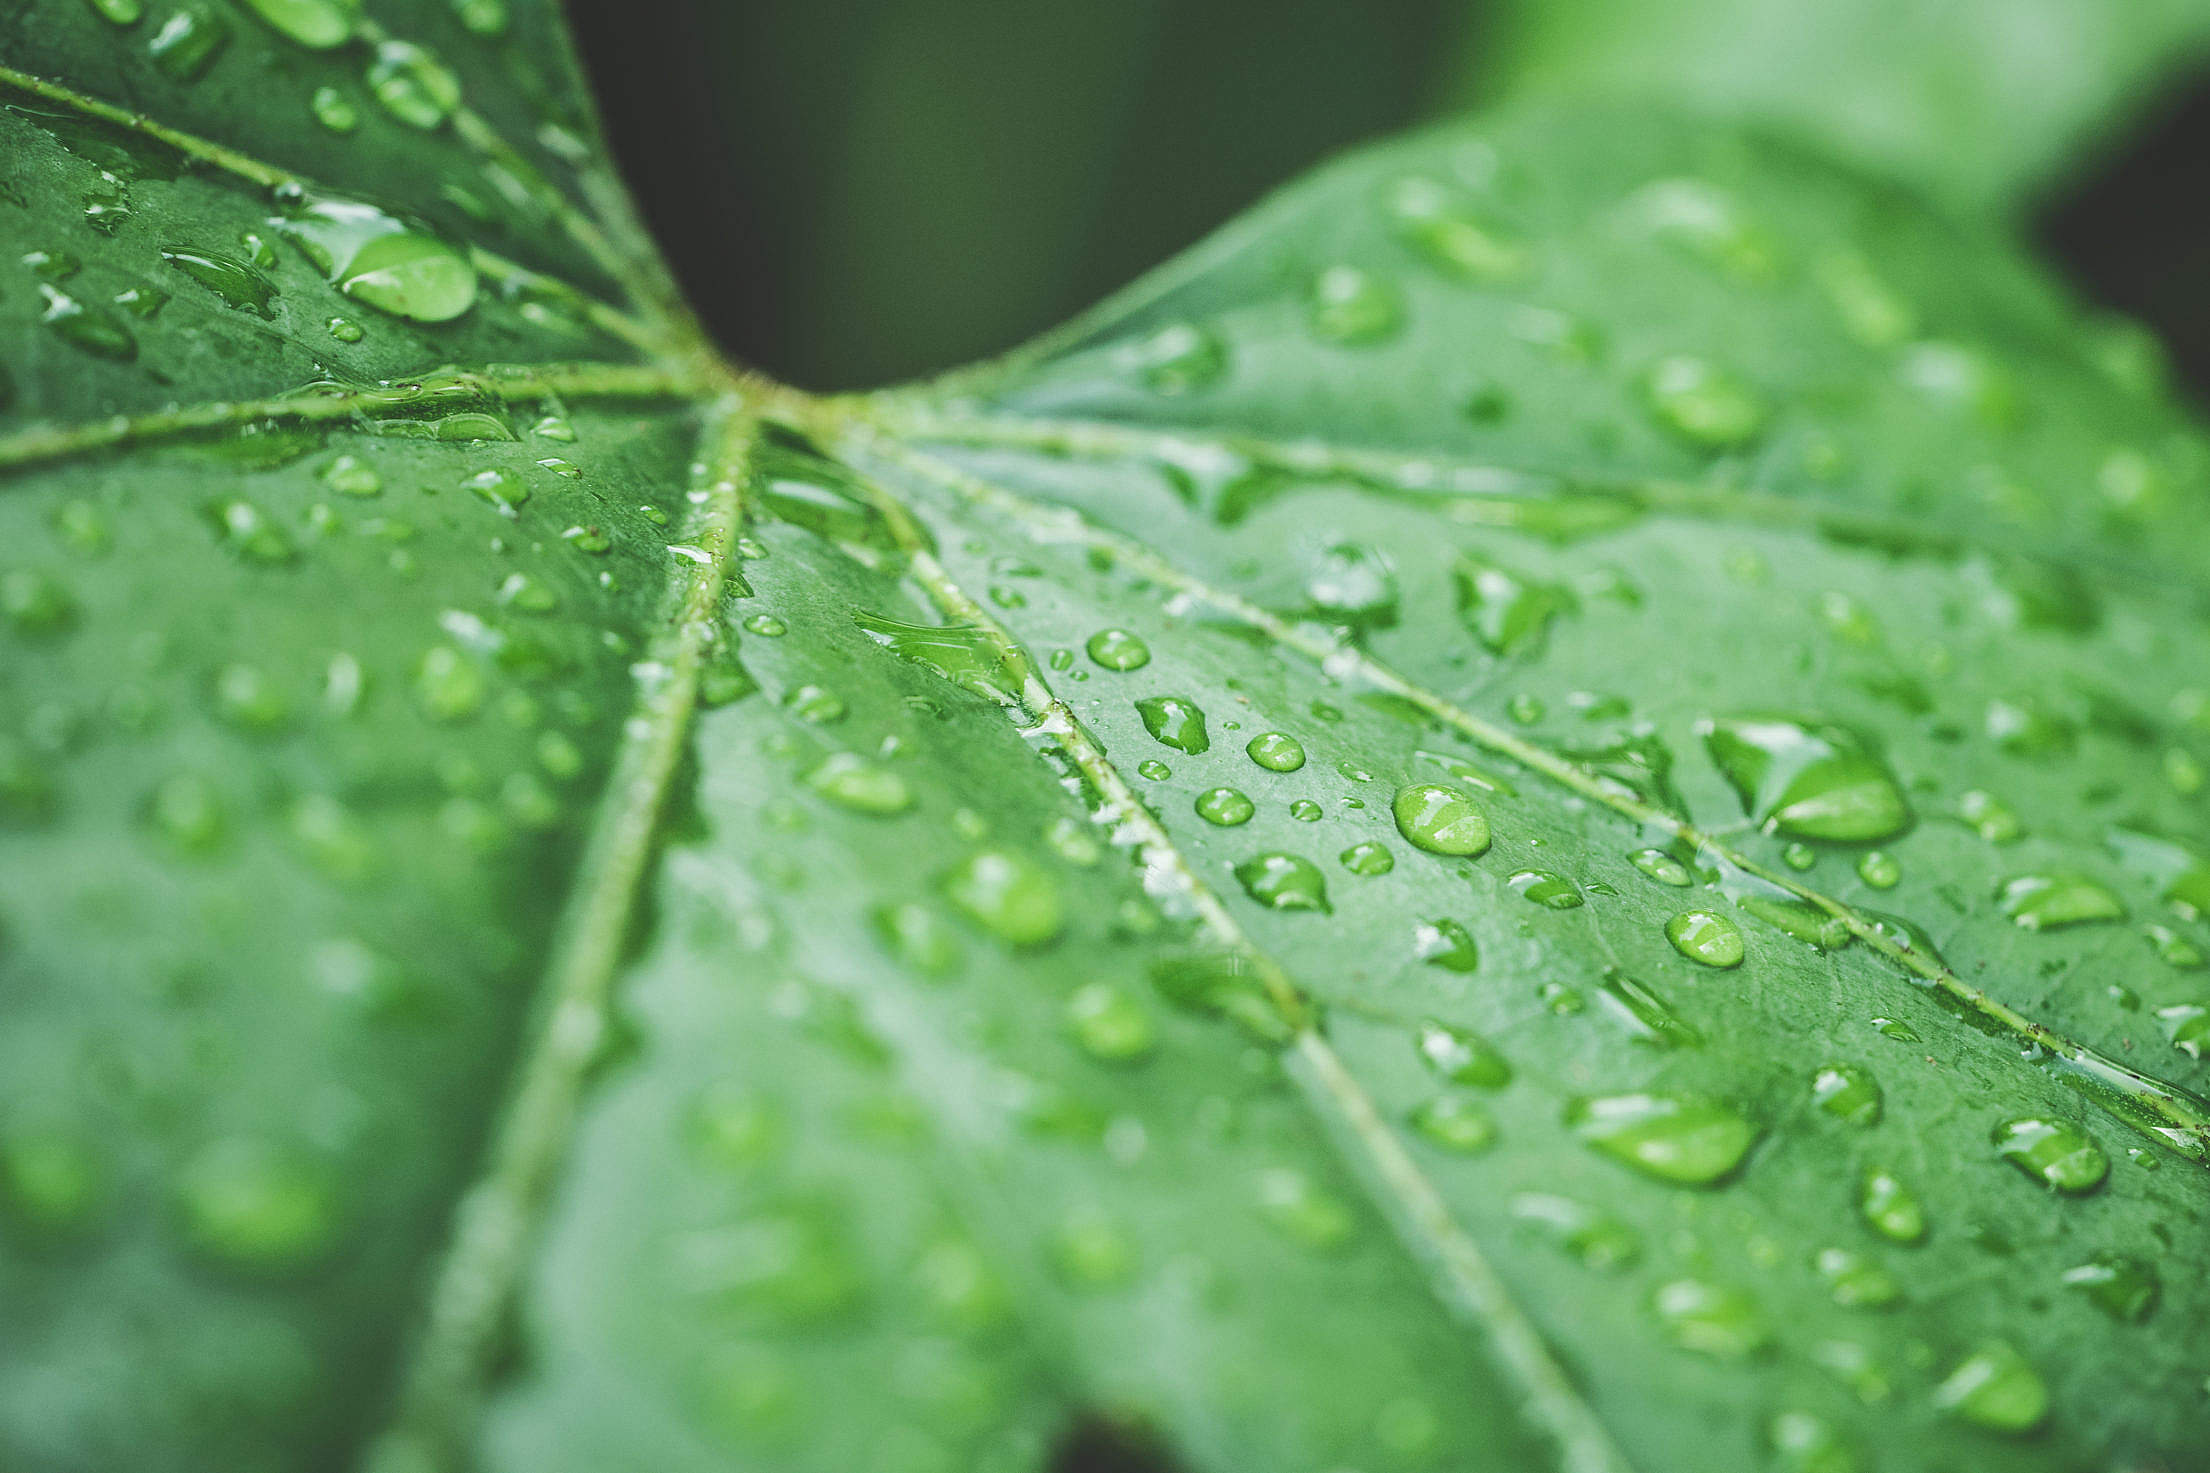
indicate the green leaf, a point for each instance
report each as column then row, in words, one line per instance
column 1988, row 103
column 1543, row 810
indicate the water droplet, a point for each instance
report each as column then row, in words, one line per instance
column 1553, row 891
column 1178, row 359
column 1718, row 1320
column 1650, row 1017
column 448, row 685
column 1890, row 1208
column 1109, row 1025
column 853, row 782
column 1594, row 1238
column 1462, row 1056
column 812, row 704
column 1878, row 868
column 1276, row 751
column 1847, row 1092
column 528, row 593
column 188, row 812
column 1367, row 858
column 1225, row 807
column 2049, row 902
column 1455, row 1123
column 1799, row 856
column 2056, row 1153
column 1440, row 820
column 1440, row 224
column 86, row 327
column 1117, row 649
column 35, row 603
column 319, row 24
column 1445, row 944
column 1689, row 1139
column 1707, row 937
column 1855, row 1281
column 1704, row 404
column 334, row 110
column 968, row 656
column 187, row 44
column 246, row 698
column 1995, row 1388
column 349, row 475
column 52, row 1182
column 1809, row 781
column 1306, row 1212
column 1354, row 307
column 256, row 1209
column 378, row 259
column 1989, row 817
column 2188, row 1026
column 1175, row 722
column 414, row 86
column 2124, row 1288
column 1009, row 895
column 239, row 285
column 119, row 12
column 1283, row 882
column 1304, row 810
column 1153, row 769
column 1662, row 867
column 1091, row 1252
column 1506, row 612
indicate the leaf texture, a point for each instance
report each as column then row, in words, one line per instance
column 1542, row 810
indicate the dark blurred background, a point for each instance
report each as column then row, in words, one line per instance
column 860, row 191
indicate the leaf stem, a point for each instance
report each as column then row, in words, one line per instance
column 496, row 1219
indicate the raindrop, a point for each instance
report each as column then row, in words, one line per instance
column 2056, row 1153
column 1276, row 751
column 853, row 782
column 1440, row 820
column 187, row 44
column 1445, row 944
column 1455, row 1123
column 1303, row 1210
column 256, row 1209
column 1707, row 937
column 1855, row 1281
column 2124, row 1288
column 1717, row 1320
column 1117, row 649
column 414, row 86
column 1703, row 404
column 1688, row 1139
column 1808, row 781
column 1994, row 1387
column 1662, row 867
column 1354, row 307
column 1109, row 1025
column 1225, row 807
column 1890, row 1208
column 1462, row 1056
column 1009, row 895
column 1506, row 612
column 1178, row 359
column 1441, row 225
column 1367, row 858
column 319, row 24
column 1595, row 1239
column 1552, row 891
column 1283, row 882
column 2049, row 902
column 334, row 110
column 1847, row 1092
column 1175, row 722
column 376, row 258
column 1878, row 868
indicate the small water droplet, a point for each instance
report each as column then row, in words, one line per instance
column 1440, row 224
column 1351, row 306
column 1595, row 1239
column 1662, row 867
column 1091, row 1252
column 1990, row 817
column 1687, row 1139
column 1117, row 649
column 1855, row 1281
column 1703, row 404
column 1446, row 944
column 1178, row 359
column 1225, row 807
column 256, row 1209
column 1552, row 891
column 1847, row 1092
column 2126, row 1289
column 1153, row 769
column 86, row 327
column 853, row 782
column 334, row 110
column 448, row 685
column 1462, row 1056
column 1109, row 1025
column 1304, row 810
column 1878, row 868
column 1009, row 895
column 1455, row 1123
column 1890, row 1208
column 1307, row 1213
column 414, row 86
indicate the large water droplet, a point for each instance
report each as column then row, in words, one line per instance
column 1283, row 882
column 1117, row 649
column 1994, row 1387
column 1811, row 781
column 379, row 259
column 1176, row 722
column 2056, row 1153
column 1712, row 1319
column 2124, row 1288
column 1506, row 612
column 1707, row 937
column 1440, row 820
column 2049, row 902
column 1687, row 1139
column 1276, row 751
column 1009, row 895
column 1225, row 807
column 319, row 24
column 239, row 285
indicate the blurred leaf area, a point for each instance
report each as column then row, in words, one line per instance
column 866, row 191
